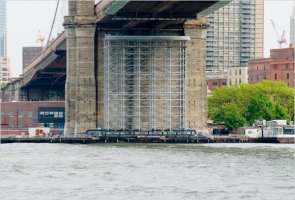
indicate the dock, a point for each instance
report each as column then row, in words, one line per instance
column 127, row 139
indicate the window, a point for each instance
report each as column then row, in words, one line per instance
column 55, row 114
column 275, row 66
column 21, row 114
column 286, row 66
column 30, row 114
column 215, row 83
column 240, row 80
column 2, row 113
column 11, row 114
column 240, row 72
column 288, row 76
column 276, row 76
column 11, row 126
column 20, row 126
column 61, row 114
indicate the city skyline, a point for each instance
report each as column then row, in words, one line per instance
column 45, row 11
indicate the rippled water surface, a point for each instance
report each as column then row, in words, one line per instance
column 147, row 171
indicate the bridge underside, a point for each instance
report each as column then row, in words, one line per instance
column 151, row 15
column 47, row 84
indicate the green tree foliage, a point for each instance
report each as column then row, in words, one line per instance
column 246, row 102
column 229, row 114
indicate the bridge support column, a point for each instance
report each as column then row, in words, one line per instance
column 80, row 91
column 195, row 75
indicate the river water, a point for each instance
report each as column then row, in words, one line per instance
column 147, row 171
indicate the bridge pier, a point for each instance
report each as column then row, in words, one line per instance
column 196, row 110
column 117, row 79
column 80, row 94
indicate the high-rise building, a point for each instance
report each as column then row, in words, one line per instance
column 235, row 34
column 29, row 54
column 292, row 26
column 3, row 47
column 5, row 71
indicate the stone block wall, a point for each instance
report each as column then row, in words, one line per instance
column 195, row 75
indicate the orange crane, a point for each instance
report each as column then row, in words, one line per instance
column 281, row 40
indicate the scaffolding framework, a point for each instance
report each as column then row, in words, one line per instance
column 144, row 82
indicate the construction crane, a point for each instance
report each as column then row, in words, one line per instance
column 281, row 40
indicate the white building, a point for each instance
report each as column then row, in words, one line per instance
column 237, row 75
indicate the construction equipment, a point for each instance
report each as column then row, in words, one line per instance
column 281, row 40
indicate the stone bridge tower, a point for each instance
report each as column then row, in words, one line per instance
column 80, row 83
column 119, row 80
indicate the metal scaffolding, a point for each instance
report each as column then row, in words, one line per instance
column 144, row 79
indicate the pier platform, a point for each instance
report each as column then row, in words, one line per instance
column 127, row 139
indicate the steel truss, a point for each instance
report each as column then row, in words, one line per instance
column 144, row 79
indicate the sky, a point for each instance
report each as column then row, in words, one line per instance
column 25, row 19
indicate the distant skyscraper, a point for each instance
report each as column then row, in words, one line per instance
column 292, row 26
column 235, row 34
column 3, row 47
column 5, row 71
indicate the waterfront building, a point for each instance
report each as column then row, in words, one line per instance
column 26, row 114
column 3, row 45
column 235, row 34
column 279, row 67
column 29, row 54
column 237, row 75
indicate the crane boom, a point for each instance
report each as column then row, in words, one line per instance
column 274, row 27
column 281, row 40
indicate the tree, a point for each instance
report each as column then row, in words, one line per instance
column 230, row 116
column 260, row 107
column 265, row 100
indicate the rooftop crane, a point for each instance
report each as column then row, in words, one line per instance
column 281, row 40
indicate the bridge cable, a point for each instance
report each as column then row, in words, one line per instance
column 51, row 29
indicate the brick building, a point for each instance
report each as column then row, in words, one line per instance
column 279, row 67
column 22, row 115
column 216, row 79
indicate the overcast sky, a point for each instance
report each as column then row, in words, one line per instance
column 26, row 18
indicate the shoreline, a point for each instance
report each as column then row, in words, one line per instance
column 144, row 139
